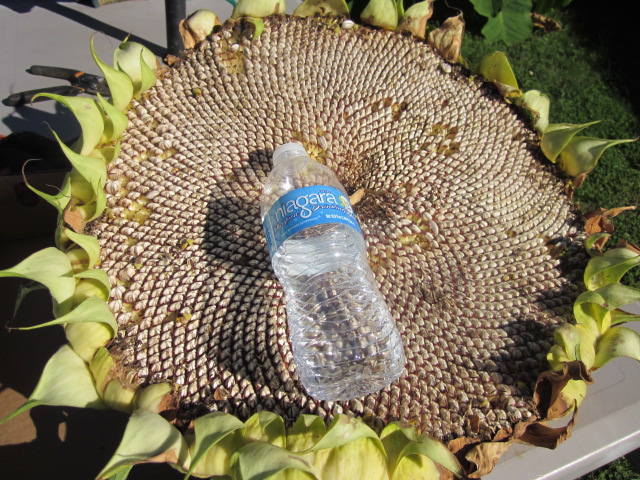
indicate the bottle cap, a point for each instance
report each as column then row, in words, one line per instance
column 290, row 150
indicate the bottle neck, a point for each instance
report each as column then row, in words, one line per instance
column 288, row 151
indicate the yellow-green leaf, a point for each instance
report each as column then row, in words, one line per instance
column 258, row 8
column 93, row 309
column 413, row 466
column 93, row 171
column 89, row 116
column 87, row 242
column 51, row 268
column 65, row 381
column 556, row 137
column 265, row 427
column 209, row 431
column 590, row 244
column 114, row 121
column 609, row 267
column 260, row 461
column 617, row 342
column 58, row 201
column 151, row 397
column 321, row 7
column 120, row 85
column 581, row 154
column 138, row 62
column 148, row 438
column 537, row 104
column 345, row 429
column 380, row 13
column 305, row 433
column 496, row 69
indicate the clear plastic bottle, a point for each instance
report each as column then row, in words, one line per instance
column 345, row 341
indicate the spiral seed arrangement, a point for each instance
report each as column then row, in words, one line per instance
column 472, row 240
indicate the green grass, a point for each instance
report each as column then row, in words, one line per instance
column 620, row 469
column 587, row 75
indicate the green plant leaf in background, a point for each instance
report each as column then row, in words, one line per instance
column 509, row 20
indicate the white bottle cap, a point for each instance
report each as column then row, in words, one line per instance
column 290, row 150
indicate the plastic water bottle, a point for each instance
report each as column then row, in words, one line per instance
column 345, row 341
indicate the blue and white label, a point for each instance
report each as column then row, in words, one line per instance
column 303, row 208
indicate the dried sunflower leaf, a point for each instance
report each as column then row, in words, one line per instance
column 148, row 438
column 556, row 137
column 89, row 116
column 447, row 39
column 51, row 268
column 581, row 154
column 548, row 396
column 209, row 431
column 120, row 85
column 380, row 13
column 259, row 461
column 595, row 242
column 414, row 20
column 617, row 342
column 609, row 267
column 65, row 381
column 335, row 8
column 542, row 435
column 484, row 457
column 197, row 27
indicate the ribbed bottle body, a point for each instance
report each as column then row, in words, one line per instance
column 344, row 338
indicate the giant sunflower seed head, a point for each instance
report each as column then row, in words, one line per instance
column 471, row 237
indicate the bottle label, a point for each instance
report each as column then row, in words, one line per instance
column 303, row 208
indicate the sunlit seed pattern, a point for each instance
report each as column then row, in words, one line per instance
column 472, row 240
